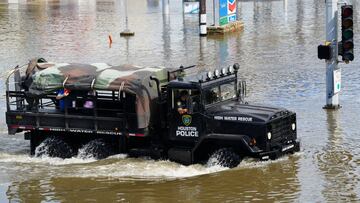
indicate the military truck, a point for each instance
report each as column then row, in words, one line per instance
column 135, row 110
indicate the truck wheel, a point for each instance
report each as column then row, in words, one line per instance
column 225, row 157
column 97, row 149
column 54, row 147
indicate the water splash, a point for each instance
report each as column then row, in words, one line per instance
column 26, row 160
column 124, row 168
column 224, row 157
column 54, row 147
column 96, row 149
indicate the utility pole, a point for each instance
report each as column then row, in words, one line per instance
column 332, row 70
column 165, row 7
column 126, row 32
column 202, row 18
column 216, row 12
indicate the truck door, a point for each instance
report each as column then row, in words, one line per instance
column 186, row 122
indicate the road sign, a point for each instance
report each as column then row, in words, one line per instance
column 191, row 7
column 227, row 11
column 337, row 81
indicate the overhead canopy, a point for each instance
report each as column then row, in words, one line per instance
column 99, row 76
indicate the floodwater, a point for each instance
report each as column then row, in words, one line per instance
column 277, row 52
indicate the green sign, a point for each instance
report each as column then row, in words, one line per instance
column 224, row 20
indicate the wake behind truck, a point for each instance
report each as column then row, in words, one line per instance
column 135, row 110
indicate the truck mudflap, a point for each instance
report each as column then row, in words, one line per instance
column 285, row 149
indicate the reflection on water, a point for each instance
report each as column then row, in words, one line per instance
column 337, row 164
column 277, row 55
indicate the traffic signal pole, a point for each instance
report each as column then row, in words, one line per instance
column 202, row 18
column 332, row 92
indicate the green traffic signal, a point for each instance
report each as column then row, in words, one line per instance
column 348, row 34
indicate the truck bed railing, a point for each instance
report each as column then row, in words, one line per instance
column 107, row 113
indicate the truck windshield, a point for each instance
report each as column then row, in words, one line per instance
column 220, row 93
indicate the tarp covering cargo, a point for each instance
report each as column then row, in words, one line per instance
column 63, row 75
column 124, row 78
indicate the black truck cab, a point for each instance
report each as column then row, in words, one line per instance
column 219, row 119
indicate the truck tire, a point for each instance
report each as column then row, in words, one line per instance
column 97, row 149
column 54, row 147
column 225, row 157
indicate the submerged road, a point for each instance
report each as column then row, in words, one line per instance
column 277, row 53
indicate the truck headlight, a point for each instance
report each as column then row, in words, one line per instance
column 269, row 135
column 223, row 71
column 230, row 70
column 293, row 126
column 209, row 75
column 217, row 73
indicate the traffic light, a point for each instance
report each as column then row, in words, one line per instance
column 347, row 33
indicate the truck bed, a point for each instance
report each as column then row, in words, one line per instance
column 108, row 115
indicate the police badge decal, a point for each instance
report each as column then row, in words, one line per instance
column 186, row 119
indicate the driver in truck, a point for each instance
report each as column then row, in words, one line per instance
column 182, row 102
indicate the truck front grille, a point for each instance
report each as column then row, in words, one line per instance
column 281, row 129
